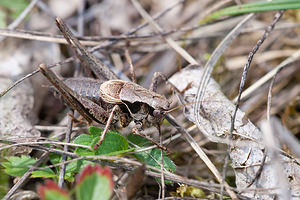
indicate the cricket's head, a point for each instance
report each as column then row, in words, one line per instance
column 142, row 113
column 142, row 104
column 146, row 115
column 151, row 105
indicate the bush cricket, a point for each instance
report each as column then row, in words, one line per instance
column 107, row 99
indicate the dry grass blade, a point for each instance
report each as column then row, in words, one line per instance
column 62, row 170
column 159, row 30
column 213, row 60
column 201, row 154
column 285, row 136
column 39, row 143
column 209, row 67
column 21, row 17
column 40, row 36
column 243, row 80
column 295, row 57
column 272, row 145
column 251, row 54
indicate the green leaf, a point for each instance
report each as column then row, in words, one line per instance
column 18, row 166
column 4, row 183
column 54, row 195
column 45, row 173
column 84, row 139
column 113, row 143
column 151, row 157
column 55, row 158
column 138, row 140
column 253, row 7
column 15, row 7
column 94, row 183
column 73, row 168
column 95, row 131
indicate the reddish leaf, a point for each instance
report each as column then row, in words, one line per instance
column 94, row 183
column 89, row 170
column 51, row 187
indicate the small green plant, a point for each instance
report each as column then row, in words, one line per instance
column 18, row 166
column 116, row 144
column 113, row 144
column 93, row 183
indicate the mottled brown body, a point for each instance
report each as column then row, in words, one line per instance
column 135, row 102
column 106, row 99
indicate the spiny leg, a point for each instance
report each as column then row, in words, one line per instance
column 110, row 118
column 68, row 94
column 153, row 87
column 90, row 61
column 87, row 108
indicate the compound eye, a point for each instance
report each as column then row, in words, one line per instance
column 157, row 113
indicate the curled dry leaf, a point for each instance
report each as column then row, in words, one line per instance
column 16, row 106
column 247, row 143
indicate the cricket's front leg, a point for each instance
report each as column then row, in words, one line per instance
column 109, row 121
column 157, row 115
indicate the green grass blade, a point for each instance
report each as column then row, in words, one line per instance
column 261, row 6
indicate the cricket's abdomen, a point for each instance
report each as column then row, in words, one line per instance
column 86, row 87
column 90, row 88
